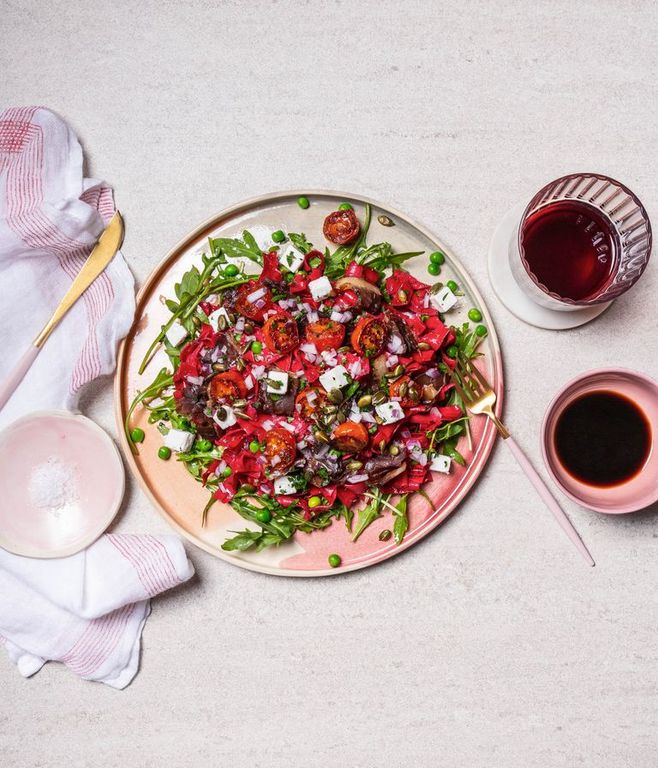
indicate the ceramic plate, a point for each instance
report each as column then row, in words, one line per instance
column 180, row 499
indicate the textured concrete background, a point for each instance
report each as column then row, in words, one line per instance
column 490, row 643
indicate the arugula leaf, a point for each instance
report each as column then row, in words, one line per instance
column 235, row 248
column 368, row 514
column 450, row 450
column 401, row 524
column 300, row 242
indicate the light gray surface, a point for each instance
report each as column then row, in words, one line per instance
column 490, row 643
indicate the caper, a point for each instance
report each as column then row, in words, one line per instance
column 336, row 396
column 219, row 367
column 240, row 364
column 241, row 414
column 404, row 388
column 379, row 397
column 221, row 414
column 341, row 417
column 403, row 296
column 248, row 328
column 240, row 404
column 320, row 436
column 398, row 370
column 379, row 419
column 365, row 401
column 274, row 383
column 330, row 409
column 221, row 323
column 385, row 535
column 354, row 465
column 344, row 349
column 385, row 221
column 413, row 394
column 394, row 450
column 231, row 318
column 423, row 346
column 382, row 445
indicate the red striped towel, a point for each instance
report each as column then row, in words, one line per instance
column 87, row 610
column 50, row 218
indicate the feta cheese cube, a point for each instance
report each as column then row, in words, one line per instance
column 441, row 463
column 444, row 299
column 213, row 318
column 277, row 382
column 225, row 421
column 178, row 440
column 390, row 412
column 290, row 257
column 335, row 378
column 320, row 288
column 176, row 334
column 283, row 486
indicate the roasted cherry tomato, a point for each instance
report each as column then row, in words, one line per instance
column 350, row 437
column 253, row 300
column 280, row 444
column 406, row 390
column 309, row 406
column 325, row 334
column 227, row 386
column 281, row 334
column 369, row 336
column 341, row 227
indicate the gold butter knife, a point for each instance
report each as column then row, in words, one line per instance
column 102, row 254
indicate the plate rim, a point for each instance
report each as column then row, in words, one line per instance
column 479, row 459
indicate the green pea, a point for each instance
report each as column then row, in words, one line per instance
column 334, row 560
column 227, row 472
column 164, row 453
column 475, row 315
column 433, row 269
column 231, row 270
column 254, row 446
column 452, row 285
column 437, row 258
column 452, row 351
column 278, row 236
column 203, row 445
column 481, row 330
column 256, row 347
column 263, row 515
column 137, row 435
column 345, row 207
column 314, row 501
column 303, row 202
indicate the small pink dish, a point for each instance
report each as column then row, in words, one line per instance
column 638, row 492
column 61, row 484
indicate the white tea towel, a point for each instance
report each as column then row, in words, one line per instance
column 50, row 218
column 87, row 610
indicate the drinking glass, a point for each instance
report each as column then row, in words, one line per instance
column 618, row 209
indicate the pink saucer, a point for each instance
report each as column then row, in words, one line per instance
column 638, row 492
column 61, row 484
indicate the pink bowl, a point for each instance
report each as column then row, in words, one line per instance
column 638, row 492
column 61, row 484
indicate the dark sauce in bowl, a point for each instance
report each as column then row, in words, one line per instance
column 602, row 438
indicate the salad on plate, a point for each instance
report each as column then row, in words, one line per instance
column 309, row 383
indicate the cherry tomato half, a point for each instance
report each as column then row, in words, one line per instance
column 246, row 305
column 350, row 437
column 369, row 336
column 280, row 444
column 325, row 334
column 307, row 409
column 341, row 227
column 406, row 390
column 281, row 334
column 227, row 386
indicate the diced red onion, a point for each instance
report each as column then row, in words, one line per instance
column 198, row 380
column 252, row 298
column 357, row 478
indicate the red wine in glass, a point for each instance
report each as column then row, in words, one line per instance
column 570, row 248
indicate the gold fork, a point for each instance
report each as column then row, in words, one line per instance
column 479, row 397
